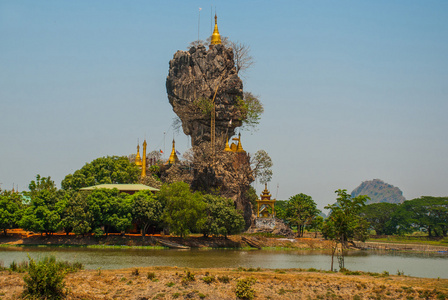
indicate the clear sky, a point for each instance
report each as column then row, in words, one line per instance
column 352, row 90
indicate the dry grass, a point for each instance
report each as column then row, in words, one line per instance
column 171, row 283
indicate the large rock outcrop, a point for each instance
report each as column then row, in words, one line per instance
column 379, row 191
column 192, row 80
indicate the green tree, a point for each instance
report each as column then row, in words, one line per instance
column 110, row 169
column 221, row 217
column 301, row 210
column 146, row 210
column 426, row 213
column 380, row 215
column 109, row 209
column 184, row 210
column 75, row 215
column 10, row 210
column 42, row 215
column 251, row 109
column 345, row 223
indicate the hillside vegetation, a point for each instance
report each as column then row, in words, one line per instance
column 379, row 191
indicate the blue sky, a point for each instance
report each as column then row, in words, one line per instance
column 352, row 90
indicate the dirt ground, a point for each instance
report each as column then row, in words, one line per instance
column 169, row 283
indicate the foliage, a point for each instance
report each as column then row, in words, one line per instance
column 379, row 215
column 344, row 222
column 205, row 105
column 110, row 169
column 427, row 213
column 261, row 164
column 75, row 213
column 146, row 210
column 41, row 215
column 251, row 110
column 244, row 289
column 221, row 217
column 109, row 209
column 301, row 210
column 10, row 210
column 184, row 210
column 45, row 279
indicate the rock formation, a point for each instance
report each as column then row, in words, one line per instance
column 379, row 191
column 193, row 78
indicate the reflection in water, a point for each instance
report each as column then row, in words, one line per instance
column 431, row 265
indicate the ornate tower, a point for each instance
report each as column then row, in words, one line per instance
column 138, row 159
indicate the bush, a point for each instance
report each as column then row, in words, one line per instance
column 188, row 277
column 244, row 288
column 151, row 275
column 45, row 279
column 224, row 279
column 208, row 279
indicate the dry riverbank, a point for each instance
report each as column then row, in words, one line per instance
column 170, row 283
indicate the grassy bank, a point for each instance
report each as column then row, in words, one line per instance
column 410, row 239
column 181, row 283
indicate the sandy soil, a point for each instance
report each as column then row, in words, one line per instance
column 270, row 284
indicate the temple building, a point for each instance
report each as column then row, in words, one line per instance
column 235, row 147
column 265, row 206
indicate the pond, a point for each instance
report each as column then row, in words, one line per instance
column 431, row 265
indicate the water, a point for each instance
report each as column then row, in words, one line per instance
column 431, row 265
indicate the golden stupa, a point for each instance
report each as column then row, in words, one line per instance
column 138, row 159
column 238, row 147
column 173, row 156
column 216, row 37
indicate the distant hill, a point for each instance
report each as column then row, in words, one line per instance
column 379, row 191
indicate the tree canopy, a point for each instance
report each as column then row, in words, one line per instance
column 110, row 169
column 301, row 210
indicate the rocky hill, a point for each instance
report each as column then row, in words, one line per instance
column 379, row 191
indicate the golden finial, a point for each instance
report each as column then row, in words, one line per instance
column 144, row 159
column 173, row 156
column 216, row 38
column 138, row 159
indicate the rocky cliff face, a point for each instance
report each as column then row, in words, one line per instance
column 192, row 80
column 379, row 191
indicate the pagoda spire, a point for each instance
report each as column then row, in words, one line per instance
column 216, row 37
column 138, row 159
column 173, row 156
column 144, row 159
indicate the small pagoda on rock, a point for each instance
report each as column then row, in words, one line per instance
column 265, row 206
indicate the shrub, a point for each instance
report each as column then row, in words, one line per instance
column 224, row 279
column 45, row 279
column 170, row 284
column 135, row 272
column 188, row 277
column 208, row 279
column 244, row 288
column 151, row 275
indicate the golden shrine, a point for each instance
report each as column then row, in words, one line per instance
column 266, row 206
column 238, row 147
column 173, row 156
column 216, row 37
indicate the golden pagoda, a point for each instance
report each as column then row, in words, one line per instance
column 265, row 203
column 238, row 147
column 173, row 156
column 216, row 37
column 138, row 159
column 144, row 160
